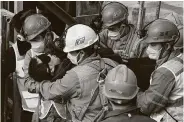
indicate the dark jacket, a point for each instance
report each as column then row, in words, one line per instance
column 125, row 47
column 129, row 115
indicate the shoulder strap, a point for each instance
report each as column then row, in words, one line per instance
column 95, row 93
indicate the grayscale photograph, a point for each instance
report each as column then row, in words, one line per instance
column 91, row 61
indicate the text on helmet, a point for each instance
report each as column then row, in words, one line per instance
column 116, row 14
column 79, row 41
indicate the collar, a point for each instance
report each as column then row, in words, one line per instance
column 170, row 56
column 118, row 111
column 91, row 58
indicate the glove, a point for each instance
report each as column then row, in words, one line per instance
column 96, row 24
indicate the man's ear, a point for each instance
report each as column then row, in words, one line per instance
column 82, row 52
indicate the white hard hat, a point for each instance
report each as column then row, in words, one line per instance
column 79, row 37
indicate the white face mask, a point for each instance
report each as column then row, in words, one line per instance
column 114, row 35
column 74, row 58
column 153, row 53
column 38, row 44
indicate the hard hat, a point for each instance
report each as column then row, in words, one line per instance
column 161, row 31
column 179, row 43
column 34, row 25
column 114, row 13
column 174, row 17
column 121, row 83
column 79, row 36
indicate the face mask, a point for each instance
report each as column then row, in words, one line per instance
column 38, row 46
column 115, row 35
column 38, row 43
column 74, row 58
column 153, row 53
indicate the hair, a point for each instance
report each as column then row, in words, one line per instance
column 50, row 47
column 39, row 71
column 18, row 20
column 90, row 50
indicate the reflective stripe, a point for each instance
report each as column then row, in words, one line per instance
column 19, row 61
column 20, row 78
column 175, row 66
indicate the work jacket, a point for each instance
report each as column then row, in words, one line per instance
column 125, row 46
column 164, row 98
column 131, row 114
column 77, row 87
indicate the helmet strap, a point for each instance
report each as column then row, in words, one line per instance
column 176, row 38
column 97, row 45
column 80, row 56
column 167, row 48
column 143, row 32
column 21, row 36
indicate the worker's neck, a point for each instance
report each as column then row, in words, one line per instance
column 120, row 106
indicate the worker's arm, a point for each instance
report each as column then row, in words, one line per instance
column 66, row 87
column 29, row 82
column 156, row 97
column 103, row 39
column 61, row 87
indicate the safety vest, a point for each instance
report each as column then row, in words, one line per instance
column 26, row 97
column 47, row 104
column 19, row 61
column 175, row 100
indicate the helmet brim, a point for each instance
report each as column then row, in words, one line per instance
column 149, row 40
column 106, row 25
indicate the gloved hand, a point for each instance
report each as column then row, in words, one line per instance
column 96, row 24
